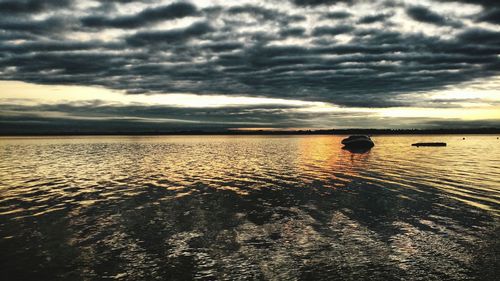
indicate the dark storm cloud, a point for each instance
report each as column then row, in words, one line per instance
column 337, row 15
column 241, row 50
column 484, row 3
column 375, row 18
column 147, row 16
column 31, row 6
column 223, row 46
column 51, row 46
column 169, row 36
column 332, row 30
column 320, row 2
column 480, row 36
column 293, row 32
column 50, row 25
column 76, row 63
column 490, row 15
column 261, row 13
column 423, row 14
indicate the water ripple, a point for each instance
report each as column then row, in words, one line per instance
column 248, row 208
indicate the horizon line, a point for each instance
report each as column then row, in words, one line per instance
column 370, row 131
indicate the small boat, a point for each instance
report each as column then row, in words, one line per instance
column 358, row 141
column 429, row 144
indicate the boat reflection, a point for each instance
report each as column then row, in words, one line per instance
column 357, row 150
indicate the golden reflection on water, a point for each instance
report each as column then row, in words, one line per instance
column 321, row 158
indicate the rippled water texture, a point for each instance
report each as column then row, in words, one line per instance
column 249, row 208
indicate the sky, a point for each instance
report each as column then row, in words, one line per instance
column 154, row 65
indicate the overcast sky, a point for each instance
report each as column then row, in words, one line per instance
column 125, row 65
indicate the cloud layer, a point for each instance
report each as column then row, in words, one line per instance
column 349, row 53
column 97, row 117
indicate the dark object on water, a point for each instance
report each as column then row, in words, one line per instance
column 429, row 144
column 357, row 141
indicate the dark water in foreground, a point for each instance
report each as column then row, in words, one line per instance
column 249, row 208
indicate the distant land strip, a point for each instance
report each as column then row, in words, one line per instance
column 271, row 132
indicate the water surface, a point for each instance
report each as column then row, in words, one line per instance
column 249, row 208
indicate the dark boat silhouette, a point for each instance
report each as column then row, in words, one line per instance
column 357, row 142
column 429, row 144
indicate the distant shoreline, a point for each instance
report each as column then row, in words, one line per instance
column 485, row 131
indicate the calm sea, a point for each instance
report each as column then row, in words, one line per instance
column 249, row 208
